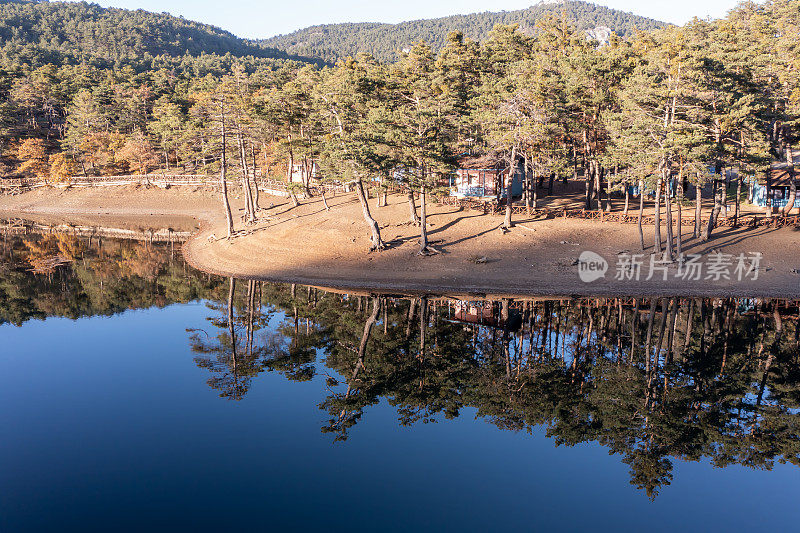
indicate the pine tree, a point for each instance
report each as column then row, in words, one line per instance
column 420, row 126
column 349, row 101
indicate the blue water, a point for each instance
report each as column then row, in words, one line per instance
column 108, row 424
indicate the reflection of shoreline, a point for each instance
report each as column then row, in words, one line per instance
column 403, row 288
column 460, row 296
column 436, row 288
column 163, row 235
column 69, row 274
column 655, row 380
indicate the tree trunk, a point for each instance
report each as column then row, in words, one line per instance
column 248, row 193
column 588, row 183
column 508, row 223
column 528, row 185
column 423, row 324
column 668, row 204
column 679, row 233
column 224, row 178
column 738, row 204
column 412, row 208
column 792, row 185
column 657, row 236
column 526, row 200
column 641, row 213
column 231, row 328
column 247, row 199
column 698, row 209
column 792, row 195
column 370, row 323
column 768, row 208
column 649, row 338
column 724, row 195
column 712, row 219
column 627, row 199
column 598, row 185
column 255, row 181
column 377, row 243
column 423, row 224
column 309, row 170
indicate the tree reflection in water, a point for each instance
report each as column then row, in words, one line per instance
column 651, row 379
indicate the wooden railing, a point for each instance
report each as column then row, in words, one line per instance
column 280, row 188
column 100, row 181
column 268, row 185
column 492, row 208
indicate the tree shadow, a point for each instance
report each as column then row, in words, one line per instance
column 733, row 235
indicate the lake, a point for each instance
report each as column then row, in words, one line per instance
column 139, row 394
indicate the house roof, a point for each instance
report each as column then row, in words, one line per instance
column 484, row 162
column 779, row 171
column 779, row 177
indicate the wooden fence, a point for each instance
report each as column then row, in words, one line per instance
column 162, row 180
column 492, row 208
column 281, row 188
column 267, row 185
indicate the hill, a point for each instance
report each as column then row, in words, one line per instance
column 36, row 32
column 330, row 42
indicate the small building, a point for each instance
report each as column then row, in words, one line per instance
column 774, row 190
column 484, row 313
column 300, row 171
column 479, row 177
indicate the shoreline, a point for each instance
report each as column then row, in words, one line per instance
column 311, row 246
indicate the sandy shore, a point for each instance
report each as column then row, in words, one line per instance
column 310, row 245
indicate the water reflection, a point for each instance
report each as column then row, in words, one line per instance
column 654, row 380
column 59, row 273
column 651, row 379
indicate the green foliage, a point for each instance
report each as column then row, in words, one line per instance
column 42, row 32
column 332, row 42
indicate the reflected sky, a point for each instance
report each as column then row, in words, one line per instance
column 108, row 421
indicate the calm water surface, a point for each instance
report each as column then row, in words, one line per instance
column 138, row 394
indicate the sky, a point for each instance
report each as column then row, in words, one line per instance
column 266, row 18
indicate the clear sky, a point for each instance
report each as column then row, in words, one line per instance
column 265, row 18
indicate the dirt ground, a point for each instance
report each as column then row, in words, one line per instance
column 310, row 245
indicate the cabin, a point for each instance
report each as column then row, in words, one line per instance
column 484, row 177
column 484, row 313
column 775, row 189
column 300, row 171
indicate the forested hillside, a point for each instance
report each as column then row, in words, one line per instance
column 333, row 41
column 40, row 32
